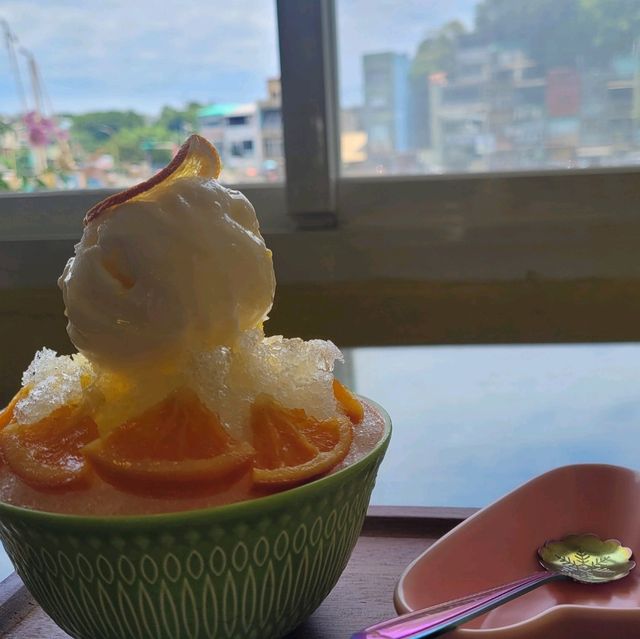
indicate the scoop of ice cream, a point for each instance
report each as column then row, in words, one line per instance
column 178, row 266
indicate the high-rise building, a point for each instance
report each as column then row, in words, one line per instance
column 386, row 105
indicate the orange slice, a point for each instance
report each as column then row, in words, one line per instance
column 48, row 455
column 6, row 414
column 351, row 406
column 196, row 157
column 175, row 444
column 292, row 447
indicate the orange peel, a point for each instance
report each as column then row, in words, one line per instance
column 293, row 447
column 197, row 157
column 48, row 455
column 175, row 444
column 350, row 405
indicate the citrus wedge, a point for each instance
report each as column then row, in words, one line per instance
column 293, row 447
column 350, row 405
column 196, row 158
column 6, row 414
column 48, row 455
column 175, row 444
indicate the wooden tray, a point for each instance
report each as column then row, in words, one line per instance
column 391, row 538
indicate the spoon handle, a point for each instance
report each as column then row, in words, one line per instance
column 431, row 621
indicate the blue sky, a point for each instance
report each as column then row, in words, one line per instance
column 142, row 54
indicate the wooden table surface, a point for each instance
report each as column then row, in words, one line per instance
column 391, row 539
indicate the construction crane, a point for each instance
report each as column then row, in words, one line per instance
column 11, row 40
column 42, row 129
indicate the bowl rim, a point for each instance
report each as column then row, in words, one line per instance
column 220, row 512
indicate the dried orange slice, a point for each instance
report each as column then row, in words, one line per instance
column 351, row 406
column 293, row 447
column 196, row 157
column 48, row 454
column 174, row 444
column 6, row 414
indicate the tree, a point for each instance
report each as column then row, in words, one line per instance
column 615, row 25
column 93, row 130
column 172, row 119
column 561, row 32
column 180, row 120
column 138, row 144
column 437, row 51
column 131, row 137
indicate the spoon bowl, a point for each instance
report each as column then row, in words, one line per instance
column 587, row 558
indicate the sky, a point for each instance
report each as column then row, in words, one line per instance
column 143, row 54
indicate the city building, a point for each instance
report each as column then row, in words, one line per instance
column 353, row 142
column 235, row 131
column 499, row 110
column 489, row 113
column 248, row 136
column 386, row 108
column 271, row 136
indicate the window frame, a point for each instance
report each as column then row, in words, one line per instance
column 568, row 239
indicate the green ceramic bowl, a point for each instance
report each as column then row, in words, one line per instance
column 254, row 569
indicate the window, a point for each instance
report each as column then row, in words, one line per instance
column 242, row 149
column 271, row 118
column 273, row 148
column 142, row 86
column 237, row 120
column 503, row 77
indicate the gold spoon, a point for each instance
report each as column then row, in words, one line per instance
column 583, row 558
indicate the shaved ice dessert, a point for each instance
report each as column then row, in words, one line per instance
column 176, row 399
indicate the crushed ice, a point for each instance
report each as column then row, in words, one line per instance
column 55, row 380
column 297, row 373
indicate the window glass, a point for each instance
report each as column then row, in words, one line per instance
column 100, row 94
column 473, row 422
column 488, row 85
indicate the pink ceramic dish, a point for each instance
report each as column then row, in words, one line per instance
column 498, row 544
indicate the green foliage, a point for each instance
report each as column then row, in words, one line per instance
column 92, row 130
column 182, row 121
column 24, row 166
column 561, row 32
column 138, row 144
column 437, row 52
column 172, row 119
column 614, row 25
column 130, row 137
column 553, row 32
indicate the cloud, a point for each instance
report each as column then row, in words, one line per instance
column 146, row 53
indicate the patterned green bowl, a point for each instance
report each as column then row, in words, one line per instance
column 254, row 569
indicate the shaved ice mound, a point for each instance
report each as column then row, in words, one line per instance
column 296, row 373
